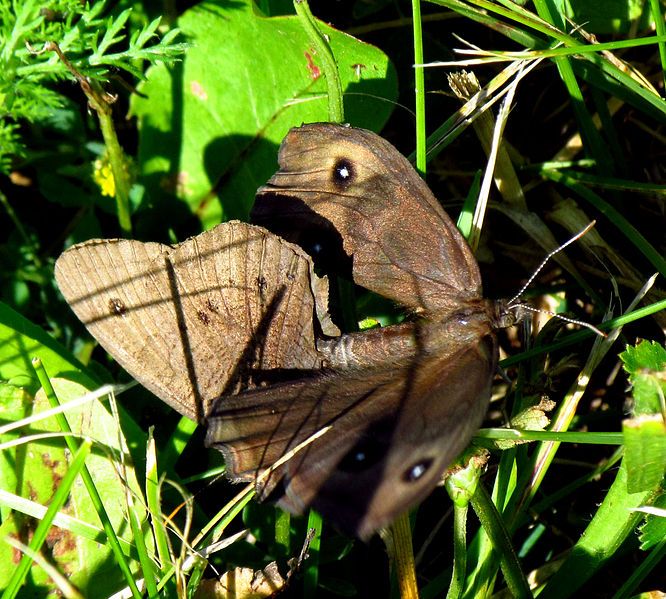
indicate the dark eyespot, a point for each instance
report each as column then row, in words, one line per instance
column 415, row 472
column 362, row 456
column 343, row 172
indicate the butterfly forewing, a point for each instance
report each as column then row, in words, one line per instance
column 189, row 322
column 350, row 181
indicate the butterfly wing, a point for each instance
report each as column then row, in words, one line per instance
column 188, row 322
column 359, row 193
column 394, row 427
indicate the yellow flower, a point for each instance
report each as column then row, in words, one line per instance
column 104, row 178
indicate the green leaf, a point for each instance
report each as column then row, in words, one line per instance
column 653, row 530
column 609, row 16
column 645, row 433
column 32, row 469
column 645, row 451
column 210, row 127
column 20, row 341
column 646, row 354
column 613, row 523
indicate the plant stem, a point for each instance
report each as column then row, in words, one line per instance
column 398, row 542
column 118, row 164
column 336, row 113
column 660, row 28
column 492, row 523
column 459, row 551
column 419, row 88
column 101, row 102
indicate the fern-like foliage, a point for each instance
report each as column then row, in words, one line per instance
column 93, row 42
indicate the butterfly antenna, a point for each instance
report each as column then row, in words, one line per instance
column 515, row 298
column 581, row 323
column 548, row 257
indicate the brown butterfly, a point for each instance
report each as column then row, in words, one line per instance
column 230, row 328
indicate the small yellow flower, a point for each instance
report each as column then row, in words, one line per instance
column 104, row 177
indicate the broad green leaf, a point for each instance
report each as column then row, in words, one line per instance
column 38, row 467
column 20, row 341
column 32, row 469
column 210, row 127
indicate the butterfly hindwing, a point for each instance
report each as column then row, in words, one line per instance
column 188, row 321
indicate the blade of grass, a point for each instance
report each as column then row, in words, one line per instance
column 146, row 562
column 153, row 501
column 480, row 102
column 68, row 590
column 660, row 27
column 176, row 443
column 283, row 531
column 64, row 521
column 646, row 566
column 578, row 336
column 493, row 151
column 543, row 457
column 512, row 434
column 311, row 574
column 493, row 525
column 595, row 69
column 592, row 141
column 506, row 181
column 419, row 88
